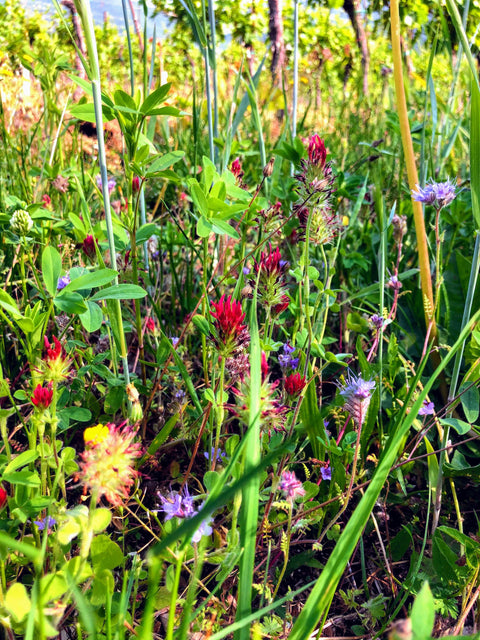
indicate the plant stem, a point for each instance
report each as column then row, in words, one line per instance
column 422, row 247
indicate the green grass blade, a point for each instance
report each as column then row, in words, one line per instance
column 250, row 495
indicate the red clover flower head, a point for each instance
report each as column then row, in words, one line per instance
column 292, row 487
column 357, row 394
column 317, row 154
column 231, row 333
column 54, row 365
column 271, row 270
column 437, row 194
column 42, row 397
column 294, row 384
column 88, row 246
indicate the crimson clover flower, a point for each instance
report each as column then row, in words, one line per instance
column 89, row 246
column 270, row 273
column 357, row 394
column 231, row 333
column 437, row 194
column 55, row 365
column 292, row 487
column 42, row 397
column 272, row 411
column 315, row 190
column 317, row 154
column 106, row 467
column 3, row 497
column 294, row 384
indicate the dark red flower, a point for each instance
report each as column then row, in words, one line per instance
column 3, row 497
column 281, row 306
column 294, row 384
column 135, row 184
column 47, row 201
column 228, row 316
column 272, row 263
column 88, row 246
column 231, row 333
column 42, row 397
column 237, row 168
column 264, row 366
column 317, row 154
column 54, row 351
column 150, row 325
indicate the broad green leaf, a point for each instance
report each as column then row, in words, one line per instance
column 105, row 554
column 155, row 98
column 17, row 602
column 423, row 614
column 164, row 162
column 92, row 318
column 460, row 426
column 222, row 227
column 23, row 478
column 204, row 227
column 101, row 518
column 90, row 280
column 24, row 458
column 120, row 292
column 198, row 197
column 70, row 303
column 51, row 268
column 145, row 232
column 469, row 397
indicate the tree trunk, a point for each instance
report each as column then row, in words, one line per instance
column 275, row 33
column 352, row 8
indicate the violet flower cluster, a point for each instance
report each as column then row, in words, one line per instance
column 180, row 505
column 437, row 194
column 357, row 394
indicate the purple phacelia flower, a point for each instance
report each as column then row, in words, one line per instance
column 437, row 194
column 326, row 473
column 292, row 487
column 177, row 505
column 174, row 340
column 63, row 281
column 427, row 409
column 357, row 394
column 285, row 360
column 205, row 529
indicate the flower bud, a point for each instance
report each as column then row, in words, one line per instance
column 21, row 222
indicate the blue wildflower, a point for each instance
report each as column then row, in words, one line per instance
column 177, row 505
column 45, row 522
column 357, row 394
column 63, row 281
column 438, row 194
column 427, row 409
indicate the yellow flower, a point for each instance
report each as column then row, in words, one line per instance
column 95, row 435
column 106, row 467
